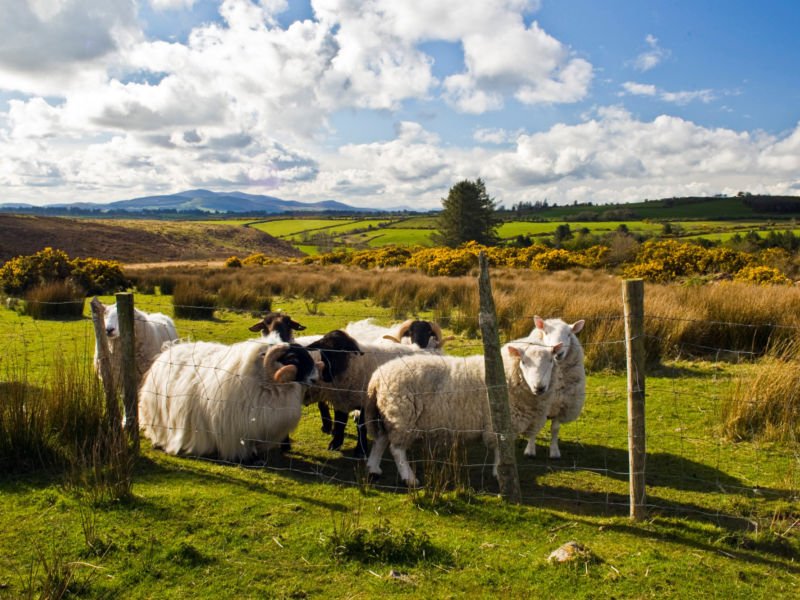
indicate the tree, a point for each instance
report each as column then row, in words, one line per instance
column 468, row 215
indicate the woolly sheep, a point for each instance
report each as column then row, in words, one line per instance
column 569, row 386
column 348, row 367
column 150, row 331
column 277, row 327
column 421, row 394
column 426, row 335
column 206, row 399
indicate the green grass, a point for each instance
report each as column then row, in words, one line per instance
column 289, row 227
column 401, row 237
column 720, row 522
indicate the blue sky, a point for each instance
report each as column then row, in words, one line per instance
column 386, row 103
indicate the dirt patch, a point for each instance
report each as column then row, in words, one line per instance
column 135, row 241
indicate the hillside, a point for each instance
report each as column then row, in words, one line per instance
column 134, row 241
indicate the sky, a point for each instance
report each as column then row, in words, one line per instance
column 388, row 103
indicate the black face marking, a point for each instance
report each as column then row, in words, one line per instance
column 421, row 333
column 299, row 357
column 335, row 348
column 280, row 323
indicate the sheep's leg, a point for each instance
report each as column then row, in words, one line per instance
column 555, row 425
column 286, row 444
column 533, row 431
column 339, row 423
column 325, row 415
column 375, row 455
column 403, row 467
column 361, row 443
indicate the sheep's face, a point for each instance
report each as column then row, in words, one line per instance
column 424, row 334
column 555, row 331
column 112, row 321
column 278, row 327
column 336, row 348
column 536, row 364
column 287, row 363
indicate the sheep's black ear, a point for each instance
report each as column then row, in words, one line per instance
column 296, row 326
column 258, row 326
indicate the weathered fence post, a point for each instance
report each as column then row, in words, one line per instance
column 497, row 389
column 633, row 300
column 99, row 321
column 129, row 374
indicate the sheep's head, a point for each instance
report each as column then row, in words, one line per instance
column 336, row 348
column 536, row 364
column 278, row 326
column 555, row 331
column 425, row 334
column 287, row 363
column 111, row 318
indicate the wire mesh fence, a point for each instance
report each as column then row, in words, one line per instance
column 692, row 466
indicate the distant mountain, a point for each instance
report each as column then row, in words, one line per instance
column 203, row 201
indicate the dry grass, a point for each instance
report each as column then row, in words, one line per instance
column 765, row 404
column 725, row 321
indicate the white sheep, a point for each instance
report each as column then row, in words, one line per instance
column 209, row 399
column 348, row 367
column 150, row 331
column 426, row 335
column 569, row 385
column 421, row 394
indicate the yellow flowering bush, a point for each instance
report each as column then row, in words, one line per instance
column 555, row 260
column 762, row 275
column 443, row 261
column 257, row 259
column 233, row 262
column 98, row 276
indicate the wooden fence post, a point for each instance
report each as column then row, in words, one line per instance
column 99, row 322
column 633, row 300
column 129, row 374
column 497, row 389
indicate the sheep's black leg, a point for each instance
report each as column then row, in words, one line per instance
column 325, row 415
column 339, row 423
column 286, row 445
column 361, row 443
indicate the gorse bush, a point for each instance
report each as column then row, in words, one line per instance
column 94, row 276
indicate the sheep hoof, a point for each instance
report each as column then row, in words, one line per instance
column 286, row 445
column 374, row 477
column 326, row 428
column 530, row 453
column 335, row 445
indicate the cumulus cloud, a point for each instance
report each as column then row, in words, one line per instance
column 171, row 4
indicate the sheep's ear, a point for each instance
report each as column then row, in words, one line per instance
column 258, row 326
column 286, row 374
column 539, row 322
column 391, row 338
column 296, row 326
column 577, row 326
column 557, row 347
column 514, row 351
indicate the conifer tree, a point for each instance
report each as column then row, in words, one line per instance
column 468, row 214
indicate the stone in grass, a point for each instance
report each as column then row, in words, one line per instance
column 571, row 551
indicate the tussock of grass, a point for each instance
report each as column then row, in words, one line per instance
column 57, row 300
column 765, row 404
column 191, row 301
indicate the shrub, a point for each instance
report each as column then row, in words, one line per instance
column 233, row 262
column 98, row 276
column 22, row 273
column 443, row 261
column 259, row 260
column 555, row 260
column 762, row 275
column 57, row 300
column 190, row 301
column 381, row 543
column 235, row 296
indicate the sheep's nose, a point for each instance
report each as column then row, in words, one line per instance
column 541, row 389
column 109, row 331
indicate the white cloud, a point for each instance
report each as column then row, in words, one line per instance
column 681, row 98
column 651, row 58
column 495, row 136
column 171, row 4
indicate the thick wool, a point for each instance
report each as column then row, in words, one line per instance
column 423, row 394
column 150, row 331
column 569, row 378
column 209, row 399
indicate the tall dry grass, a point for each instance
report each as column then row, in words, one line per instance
column 765, row 404
column 722, row 321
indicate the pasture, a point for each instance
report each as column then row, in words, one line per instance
column 722, row 516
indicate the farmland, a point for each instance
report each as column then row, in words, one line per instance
column 721, row 515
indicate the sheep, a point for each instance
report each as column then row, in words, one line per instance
column 569, row 388
column 420, row 394
column 349, row 364
column 150, row 331
column 427, row 335
column 277, row 326
column 210, row 399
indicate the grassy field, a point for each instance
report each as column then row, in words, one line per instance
column 723, row 517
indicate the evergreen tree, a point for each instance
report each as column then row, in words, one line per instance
column 468, row 215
